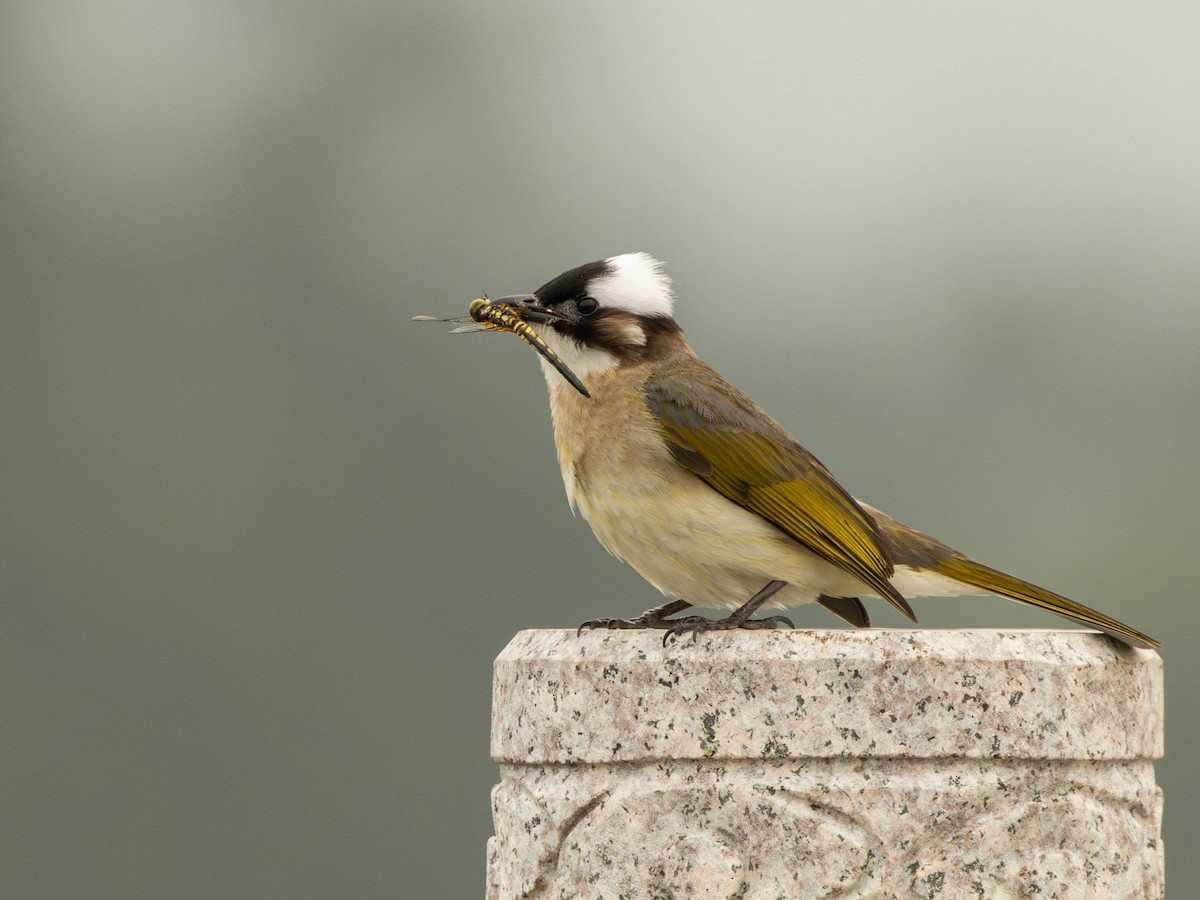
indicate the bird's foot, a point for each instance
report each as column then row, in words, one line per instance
column 697, row 625
column 651, row 618
column 641, row 621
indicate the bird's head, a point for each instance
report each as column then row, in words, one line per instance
column 605, row 314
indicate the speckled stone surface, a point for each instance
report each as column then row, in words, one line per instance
column 795, row 764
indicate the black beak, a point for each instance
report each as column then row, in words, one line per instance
column 531, row 311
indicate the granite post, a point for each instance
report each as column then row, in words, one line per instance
column 795, row 764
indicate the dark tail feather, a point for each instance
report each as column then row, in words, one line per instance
column 849, row 608
column 978, row 575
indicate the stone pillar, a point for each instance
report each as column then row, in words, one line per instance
column 794, row 764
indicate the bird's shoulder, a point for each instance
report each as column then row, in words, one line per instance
column 695, row 403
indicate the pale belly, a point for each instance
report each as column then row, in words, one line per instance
column 691, row 543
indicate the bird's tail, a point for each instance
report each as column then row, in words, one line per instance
column 988, row 579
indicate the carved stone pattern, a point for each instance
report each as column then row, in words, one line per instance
column 759, row 830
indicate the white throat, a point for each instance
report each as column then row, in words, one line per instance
column 583, row 361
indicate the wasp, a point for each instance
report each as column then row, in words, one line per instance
column 488, row 316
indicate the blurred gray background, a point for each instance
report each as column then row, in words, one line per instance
column 263, row 536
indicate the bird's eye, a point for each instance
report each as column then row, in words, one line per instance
column 587, row 305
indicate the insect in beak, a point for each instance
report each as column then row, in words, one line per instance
column 504, row 316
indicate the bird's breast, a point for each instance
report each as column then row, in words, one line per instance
column 681, row 535
column 609, row 444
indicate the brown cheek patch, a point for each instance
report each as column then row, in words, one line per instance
column 619, row 331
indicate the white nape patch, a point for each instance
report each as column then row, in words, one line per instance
column 583, row 361
column 637, row 283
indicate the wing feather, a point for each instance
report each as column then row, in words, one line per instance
column 720, row 435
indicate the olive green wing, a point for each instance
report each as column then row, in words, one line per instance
column 718, row 433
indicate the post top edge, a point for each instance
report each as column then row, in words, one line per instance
column 1068, row 646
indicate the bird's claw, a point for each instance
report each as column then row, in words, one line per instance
column 642, row 621
column 608, row 622
column 697, row 625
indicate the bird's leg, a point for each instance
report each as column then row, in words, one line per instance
column 739, row 618
column 651, row 618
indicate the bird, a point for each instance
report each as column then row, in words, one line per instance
column 683, row 477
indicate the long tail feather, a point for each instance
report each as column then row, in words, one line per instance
column 986, row 578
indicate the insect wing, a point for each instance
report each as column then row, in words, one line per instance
column 462, row 324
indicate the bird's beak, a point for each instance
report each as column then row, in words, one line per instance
column 529, row 308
